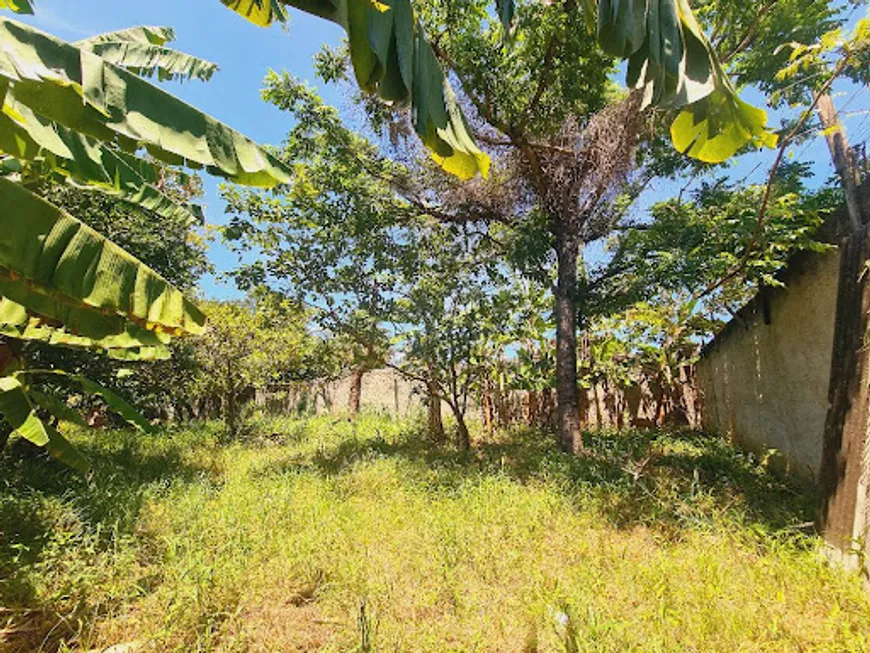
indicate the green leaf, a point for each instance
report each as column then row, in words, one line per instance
column 114, row 402
column 145, row 34
column 48, row 253
column 135, row 343
column 61, row 449
column 141, row 51
column 18, row 412
column 671, row 59
column 716, row 127
column 140, row 354
column 438, row 119
column 18, row 6
column 59, row 322
column 81, row 91
column 505, row 10
column 465, row 160
column 392, row 58
column 84, row 161
column 622, row 26
column 259, row 12
column 57, row 407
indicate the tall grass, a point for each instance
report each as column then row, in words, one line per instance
column 325, row 534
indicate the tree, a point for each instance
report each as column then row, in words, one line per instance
column 249, row 345
column 344, row 239
column 539, row 99
column 330, row 241
column 67, row 111
column 696, row 245
column 809, row 75
column 453, row 307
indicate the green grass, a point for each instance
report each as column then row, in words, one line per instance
column 338, row 536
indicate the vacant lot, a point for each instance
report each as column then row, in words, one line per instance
column 338, row 536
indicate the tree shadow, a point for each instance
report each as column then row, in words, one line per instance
column 666, row 480
column 45, row 504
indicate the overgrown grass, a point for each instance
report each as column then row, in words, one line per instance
column 338, row 536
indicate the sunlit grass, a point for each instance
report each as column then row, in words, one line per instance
column 339, row 536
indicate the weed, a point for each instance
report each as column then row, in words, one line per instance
column 657, row 541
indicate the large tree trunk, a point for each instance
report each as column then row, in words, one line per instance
column 844, row 158
column 353, row 401
column 568, row 405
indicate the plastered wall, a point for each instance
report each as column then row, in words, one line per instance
column 383, row 389
column 763, row 382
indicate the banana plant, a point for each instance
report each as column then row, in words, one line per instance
column 83, row 113
column 392, row 58
column 143, row 50
column 669, row 57
column 19, row 403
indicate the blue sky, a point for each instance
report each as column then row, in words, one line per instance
column 245, row 52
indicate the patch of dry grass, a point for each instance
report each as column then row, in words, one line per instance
column 337, row 536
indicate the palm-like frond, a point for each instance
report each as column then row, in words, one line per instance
column 259, row 12
column 18, row 6
column 81, row 91
column 85, row 161
column 76, row 272
column 134, row 343
column 143, row 51
column 668, row 56
column 391, row 57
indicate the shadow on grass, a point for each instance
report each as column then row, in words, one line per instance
column 45, row 504
column 666, row 480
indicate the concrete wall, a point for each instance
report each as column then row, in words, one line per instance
column 763, row 382
column 383, row 389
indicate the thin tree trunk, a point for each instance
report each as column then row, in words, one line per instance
column 486, row 406
column 231, row 415
column 462, row 429
column 844, row 158
column 353, row 401
column 435, row 426
column 567, row 404
column 500, row 402
column 531, row 407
